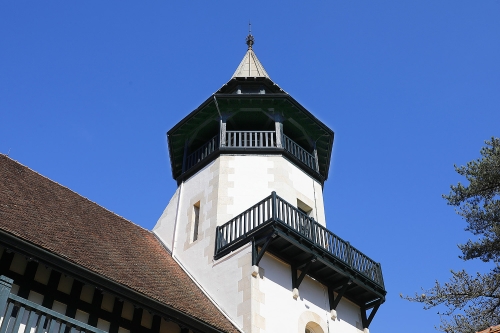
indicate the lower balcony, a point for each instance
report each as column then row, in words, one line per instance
column 19, row 315
column 275, row 226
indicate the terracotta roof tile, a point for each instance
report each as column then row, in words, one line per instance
column 493, row 329
column 40, row 211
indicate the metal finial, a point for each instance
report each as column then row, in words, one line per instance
column 250, row 39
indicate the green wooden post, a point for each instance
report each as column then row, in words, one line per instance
column 217, row 240
column 314, row 232
column 222, row 131
column 254, row 252
column 380, row 276
column 273, row 204
column 5, row 287
column 278, row 125
column 316, row 160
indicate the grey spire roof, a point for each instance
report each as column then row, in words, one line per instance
column 250, row 66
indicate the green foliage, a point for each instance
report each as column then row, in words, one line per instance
column 479, row 203
column 473, row 301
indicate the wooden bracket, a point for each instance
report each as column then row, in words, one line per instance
column 374, row 306
column 256, row 254
column 334, row 301
column 296, row 281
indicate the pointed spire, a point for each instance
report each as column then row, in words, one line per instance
column 250, row 66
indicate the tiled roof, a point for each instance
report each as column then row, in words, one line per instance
column 493, row 329
column 37, row 210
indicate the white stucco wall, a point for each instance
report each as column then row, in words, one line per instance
column 164, row 228
column 223, row 189
column 219, row 280
column 251, row 178
column 283, row 313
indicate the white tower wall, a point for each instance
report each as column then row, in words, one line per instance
column 283, row 313
column 223, row 189
column 251, row 178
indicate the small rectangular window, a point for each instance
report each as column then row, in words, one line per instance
column 303, row 211
column 196, row 220
column 302, row 207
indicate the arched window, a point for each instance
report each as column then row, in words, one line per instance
column 313, row 327
column 310, row 322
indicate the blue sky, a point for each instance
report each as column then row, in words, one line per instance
column 88, row 90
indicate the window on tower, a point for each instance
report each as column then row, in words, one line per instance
column 196, row 220
column 313, row 327
column 304, row 208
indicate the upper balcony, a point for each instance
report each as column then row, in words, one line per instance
column 250, row 115
column 251, row 141
column 275, row 226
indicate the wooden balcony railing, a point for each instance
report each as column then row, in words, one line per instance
column 201, row 153
column 251, row 139
column 275, row 209
column 19, row 315
column 254, row 140
column 300, row 153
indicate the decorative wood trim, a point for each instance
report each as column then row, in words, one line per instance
column 51, row 289
column 72, row 306
column 117, row 313
column 96, row 305
column 27, row 279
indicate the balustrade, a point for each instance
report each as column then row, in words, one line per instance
column 276, row 209
column 19, row 315
column 201, row 153
column 300, row 153
column 250, row 139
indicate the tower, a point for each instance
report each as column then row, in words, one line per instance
column 247, row 220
